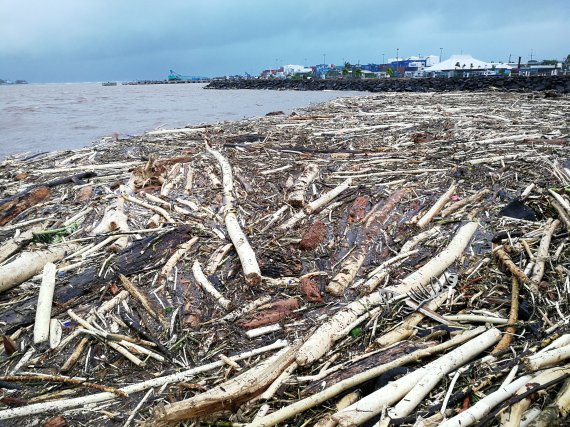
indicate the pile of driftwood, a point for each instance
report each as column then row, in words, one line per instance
column 396, row 259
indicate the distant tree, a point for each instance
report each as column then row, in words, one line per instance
column 390, row 71
column 550, row 62
column 347, row 69
column 358, row 73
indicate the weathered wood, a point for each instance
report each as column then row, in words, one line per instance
column 13, row 206
column 142, row 255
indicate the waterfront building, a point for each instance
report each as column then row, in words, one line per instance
column 466, row 66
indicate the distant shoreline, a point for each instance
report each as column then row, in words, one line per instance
column 560, row 84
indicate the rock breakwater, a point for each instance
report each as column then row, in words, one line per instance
column 560, row 84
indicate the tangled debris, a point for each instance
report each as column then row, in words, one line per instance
column 385, row 260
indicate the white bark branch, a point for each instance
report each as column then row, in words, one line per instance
column 208, row 287
column 27, row 265
column 297, row 195
column 542, row 254
column 60, row 405
column 45, row 299
column 438, row 206
column 485, row 405
column 246, row 254
column 316, row 205
column 302, row 405
column 377, row 401
column 437, row 265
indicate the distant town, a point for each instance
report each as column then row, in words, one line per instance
column 461, row 65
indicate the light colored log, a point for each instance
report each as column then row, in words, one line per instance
column 542, row 254
column 251, row 270
column 217, row 257
column 100, row 245
column 516, row 411
column 90, row 329
column 55, row 333
column 173, row 260
column 376, row 276
column 274, row 217
column 139, row 405
column 297, row 195
column 171, row 180
column 437, row 265
column 563, row 214
column 438, row 206
column 14, row 244
column 236, row 314
column 486, row 404
column 561, row 200
column 244, row 250
column 407, row 328
column 323, row 338
column 547, row 358
column 156, row 209
column 257, row 332
column 208, row 287
column 87, row 168
column 171, row 131
column 114, row 219
column 241, row 388
column 317, row 204
column 562, row 401
column 189, row 180
column 464, row 202
column 27, row 265
column 45, row 299
column 272, row 389
column 377, row 401
column 60, row 405
column 418, row 238
column 303, row 405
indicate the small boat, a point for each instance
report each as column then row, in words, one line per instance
column 109, row 83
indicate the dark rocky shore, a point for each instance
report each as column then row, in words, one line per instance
column 559, row 84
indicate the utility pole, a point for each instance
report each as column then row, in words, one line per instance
column 383, row 59
column 397, row 60
column 325, row 58
column 531, row 54
column 440, row 53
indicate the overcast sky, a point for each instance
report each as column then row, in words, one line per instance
column 97, row 40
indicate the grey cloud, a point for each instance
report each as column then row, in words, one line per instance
column 103, row 39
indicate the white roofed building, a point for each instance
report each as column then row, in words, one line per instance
column 296, row 69
column 465, row 66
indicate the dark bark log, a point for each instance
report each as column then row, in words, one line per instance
column 13, row 206
column 142, row 255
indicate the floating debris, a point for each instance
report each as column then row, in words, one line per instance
column 367, row 260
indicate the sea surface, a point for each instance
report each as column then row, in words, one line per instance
column 46, row 117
